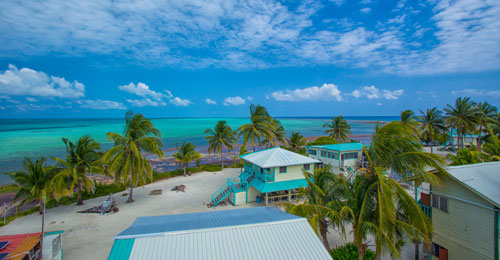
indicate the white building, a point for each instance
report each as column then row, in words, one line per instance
column 341, row 157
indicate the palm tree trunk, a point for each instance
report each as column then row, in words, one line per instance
column 479, row 138
column 358, row 244
column 131, row 193
column 417, row 253
column 41, row 206
column 221, row 161
column 79, row 194
column 185, row 165
column 432, row 143
column 323, row 231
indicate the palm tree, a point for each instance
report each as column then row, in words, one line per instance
column 296, row 141
column 243, row 150
column 432, row 123
column 185, row 154
column 409, row 120
column 35, row 183
column 462, row 117
column 126, row 160
column 259, row 127
column 485, row 115
column 317, row 208
column 492, row 147
column 219, row 137
column 81, row 159
column 338, row 128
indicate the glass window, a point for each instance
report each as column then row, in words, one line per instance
column 307, row 167
column 282, row 169
column 435, row 201
column 443, row 204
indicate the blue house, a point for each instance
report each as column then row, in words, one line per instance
column 270, row 175
column 345, row 157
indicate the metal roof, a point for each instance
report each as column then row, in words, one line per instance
column 291, row 238
column 157, row 225
column 481, row 178
column 275, row 157
column 277, row 186
column 340, row 147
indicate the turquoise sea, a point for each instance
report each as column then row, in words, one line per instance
column 37, row 138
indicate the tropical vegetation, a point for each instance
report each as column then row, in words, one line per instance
column 185, row 154
column 126, row 160
column 338, row 128
column 219, row 137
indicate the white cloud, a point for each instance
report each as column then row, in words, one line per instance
column 337, row 2
column 366, row 10
column 31, row 99
column 210, row 101
column 249, row 98
column 144, row 91
column 146, row 103
column 25, row 81
column 371, row 92
column 177, row 101
column 477, row 92
column 235, row 101
column 101, row 104
column 325, row 92
column 379, row 104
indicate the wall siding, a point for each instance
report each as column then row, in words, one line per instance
column 252, row 194
column 466, row 230
column 293, row 172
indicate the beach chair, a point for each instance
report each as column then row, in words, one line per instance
column 107, row 205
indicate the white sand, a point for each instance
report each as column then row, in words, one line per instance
column 90, row 235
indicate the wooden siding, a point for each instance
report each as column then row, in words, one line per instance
column 293, row 172
column 467, row 230
column 252, row 194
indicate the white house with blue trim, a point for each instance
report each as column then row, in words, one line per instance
column 345, row 157
column 251, row 233
column 270, row 175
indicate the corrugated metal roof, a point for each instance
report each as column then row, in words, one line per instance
column 276, row 157
column 23, row 249
column 121, row 249
column 482, row 178
column 289, row 239
column 340, row 147
column 277, row 186
column 156, row 225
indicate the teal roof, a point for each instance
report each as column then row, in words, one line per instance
column 340, row 147
column 121, row 249
column 277, row 186
column 454, row 134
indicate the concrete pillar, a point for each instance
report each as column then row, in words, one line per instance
column 266, row 199
column 289, row 196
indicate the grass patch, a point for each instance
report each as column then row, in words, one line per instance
column 350, row 252
column 212, row 167
column 22, row 214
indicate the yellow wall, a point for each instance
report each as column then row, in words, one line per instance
column 466, row 230
column 240, row 198
column 252, row 193
column 293, row 172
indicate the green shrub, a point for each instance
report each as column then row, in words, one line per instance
column 8, row 188
column 350, row 252
column 235, row 165
column 212, row 168
column 324, row 140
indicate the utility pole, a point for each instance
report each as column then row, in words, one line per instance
column 43, row 222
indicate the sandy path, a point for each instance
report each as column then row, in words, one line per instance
column 90, row 236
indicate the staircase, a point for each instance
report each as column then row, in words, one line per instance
column 232, row 185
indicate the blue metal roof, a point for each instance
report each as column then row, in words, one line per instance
column 121, row 249
column 147, row 226
column 340, row 147
column 277, row 186
column 454, row 134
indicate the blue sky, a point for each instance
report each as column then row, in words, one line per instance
column 214, row 58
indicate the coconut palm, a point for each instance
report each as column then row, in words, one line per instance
column 185, row 154
column 492, row 147
column 432, row 124
column 296, row 141
column 338, row 128
column 34, row 183
column 486, row 114
column 317, row 208
column 126, row 160
column 219, row 137
column 409, row 119
column 462, row 117
column 243, row 150
column 260, row 127
column 82, row 157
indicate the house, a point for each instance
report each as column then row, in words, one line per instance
column 270, row 175
column 464, row 210
column 249, row 233
column 468, row 139
column 27, row 246
column 345, row 157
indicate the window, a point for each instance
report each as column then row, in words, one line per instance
column 350, row 155
column 329, row 155
column 443, row 204
column 312, row 152
column 323, row 154
column 307, row 167
column 435, row 201
column 282, row 169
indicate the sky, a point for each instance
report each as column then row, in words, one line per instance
column 192, row 58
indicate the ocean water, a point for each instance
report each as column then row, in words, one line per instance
column 37, row 138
